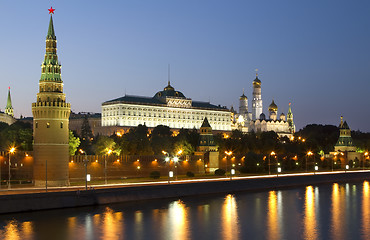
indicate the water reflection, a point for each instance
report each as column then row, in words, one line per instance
column 11, row 231
column 229, row 218
column 179, row 224
column 310, row 224
column 342, row 212
column 365, row 228
column 112, row 224
column 273, row 217
column 338, row 195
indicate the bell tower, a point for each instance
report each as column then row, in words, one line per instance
column 51, row 120
column 257, row 99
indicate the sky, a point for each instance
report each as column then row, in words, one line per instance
column 314, row 54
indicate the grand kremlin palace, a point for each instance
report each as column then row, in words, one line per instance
column 168, row 107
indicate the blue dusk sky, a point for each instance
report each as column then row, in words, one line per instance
column 314, row 54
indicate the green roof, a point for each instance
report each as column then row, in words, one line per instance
column 51, row 33
column 9, row 101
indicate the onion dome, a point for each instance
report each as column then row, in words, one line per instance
column 262, row 116
column 256, row 82
column 273, row 107
column 243, row 97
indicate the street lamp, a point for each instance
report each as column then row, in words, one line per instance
column 85, row 164
column 105, row 166
column 363, row 161
column 12, row 150
column 228, row 153
column 175, row 160
column 167, row 160
column 271, row 154
column 308, row 154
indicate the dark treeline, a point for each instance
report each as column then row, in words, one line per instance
column 18, row 135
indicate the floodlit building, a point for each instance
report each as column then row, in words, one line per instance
column 168, row 107
column 256, row 120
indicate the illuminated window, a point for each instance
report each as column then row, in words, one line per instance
column 48, row 125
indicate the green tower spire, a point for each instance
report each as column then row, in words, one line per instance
column 51, row 68
column 290, row 120
column 51, row 33
column 9, row 107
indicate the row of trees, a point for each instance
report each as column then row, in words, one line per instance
column 139, row 141
column 318, row 139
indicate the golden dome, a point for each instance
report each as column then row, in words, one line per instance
column 273, row 107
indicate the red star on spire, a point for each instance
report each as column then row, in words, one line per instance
column 51, row 10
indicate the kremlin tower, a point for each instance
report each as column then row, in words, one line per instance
column 257, row 99
column 9, row 108
column 51, row 120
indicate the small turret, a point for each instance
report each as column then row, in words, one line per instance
column 282, row 117
column 9, row 107
column 290, row 120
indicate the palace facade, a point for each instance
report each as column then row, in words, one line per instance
column 168, row 107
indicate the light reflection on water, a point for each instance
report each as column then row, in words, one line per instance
column 331, row 211
column 310, row 224
column 230, row 224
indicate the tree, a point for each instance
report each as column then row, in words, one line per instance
column 18, row 134
column 161, row 139
column 86, row 136
column 74, row 143
column 184, row 146
column 136, row 141
column 106, row 145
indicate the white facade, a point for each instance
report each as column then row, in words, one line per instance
column 168, row 107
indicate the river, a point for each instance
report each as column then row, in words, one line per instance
column 327, row 211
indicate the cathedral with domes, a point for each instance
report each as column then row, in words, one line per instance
column 256, row 120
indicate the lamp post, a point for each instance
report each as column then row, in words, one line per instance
column 105, row 166
column 271, row 154
column 85, row 164
column 309, row 153
column 176, row 160
column 332, row 161
column 167, row 160
column 228, row 153
column 12, row 150
column 363, row 161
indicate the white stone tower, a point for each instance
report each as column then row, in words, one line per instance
column 257, row 99
column 243, row 105
column 51, row 120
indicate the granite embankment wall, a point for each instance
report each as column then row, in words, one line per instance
column 54, row 200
